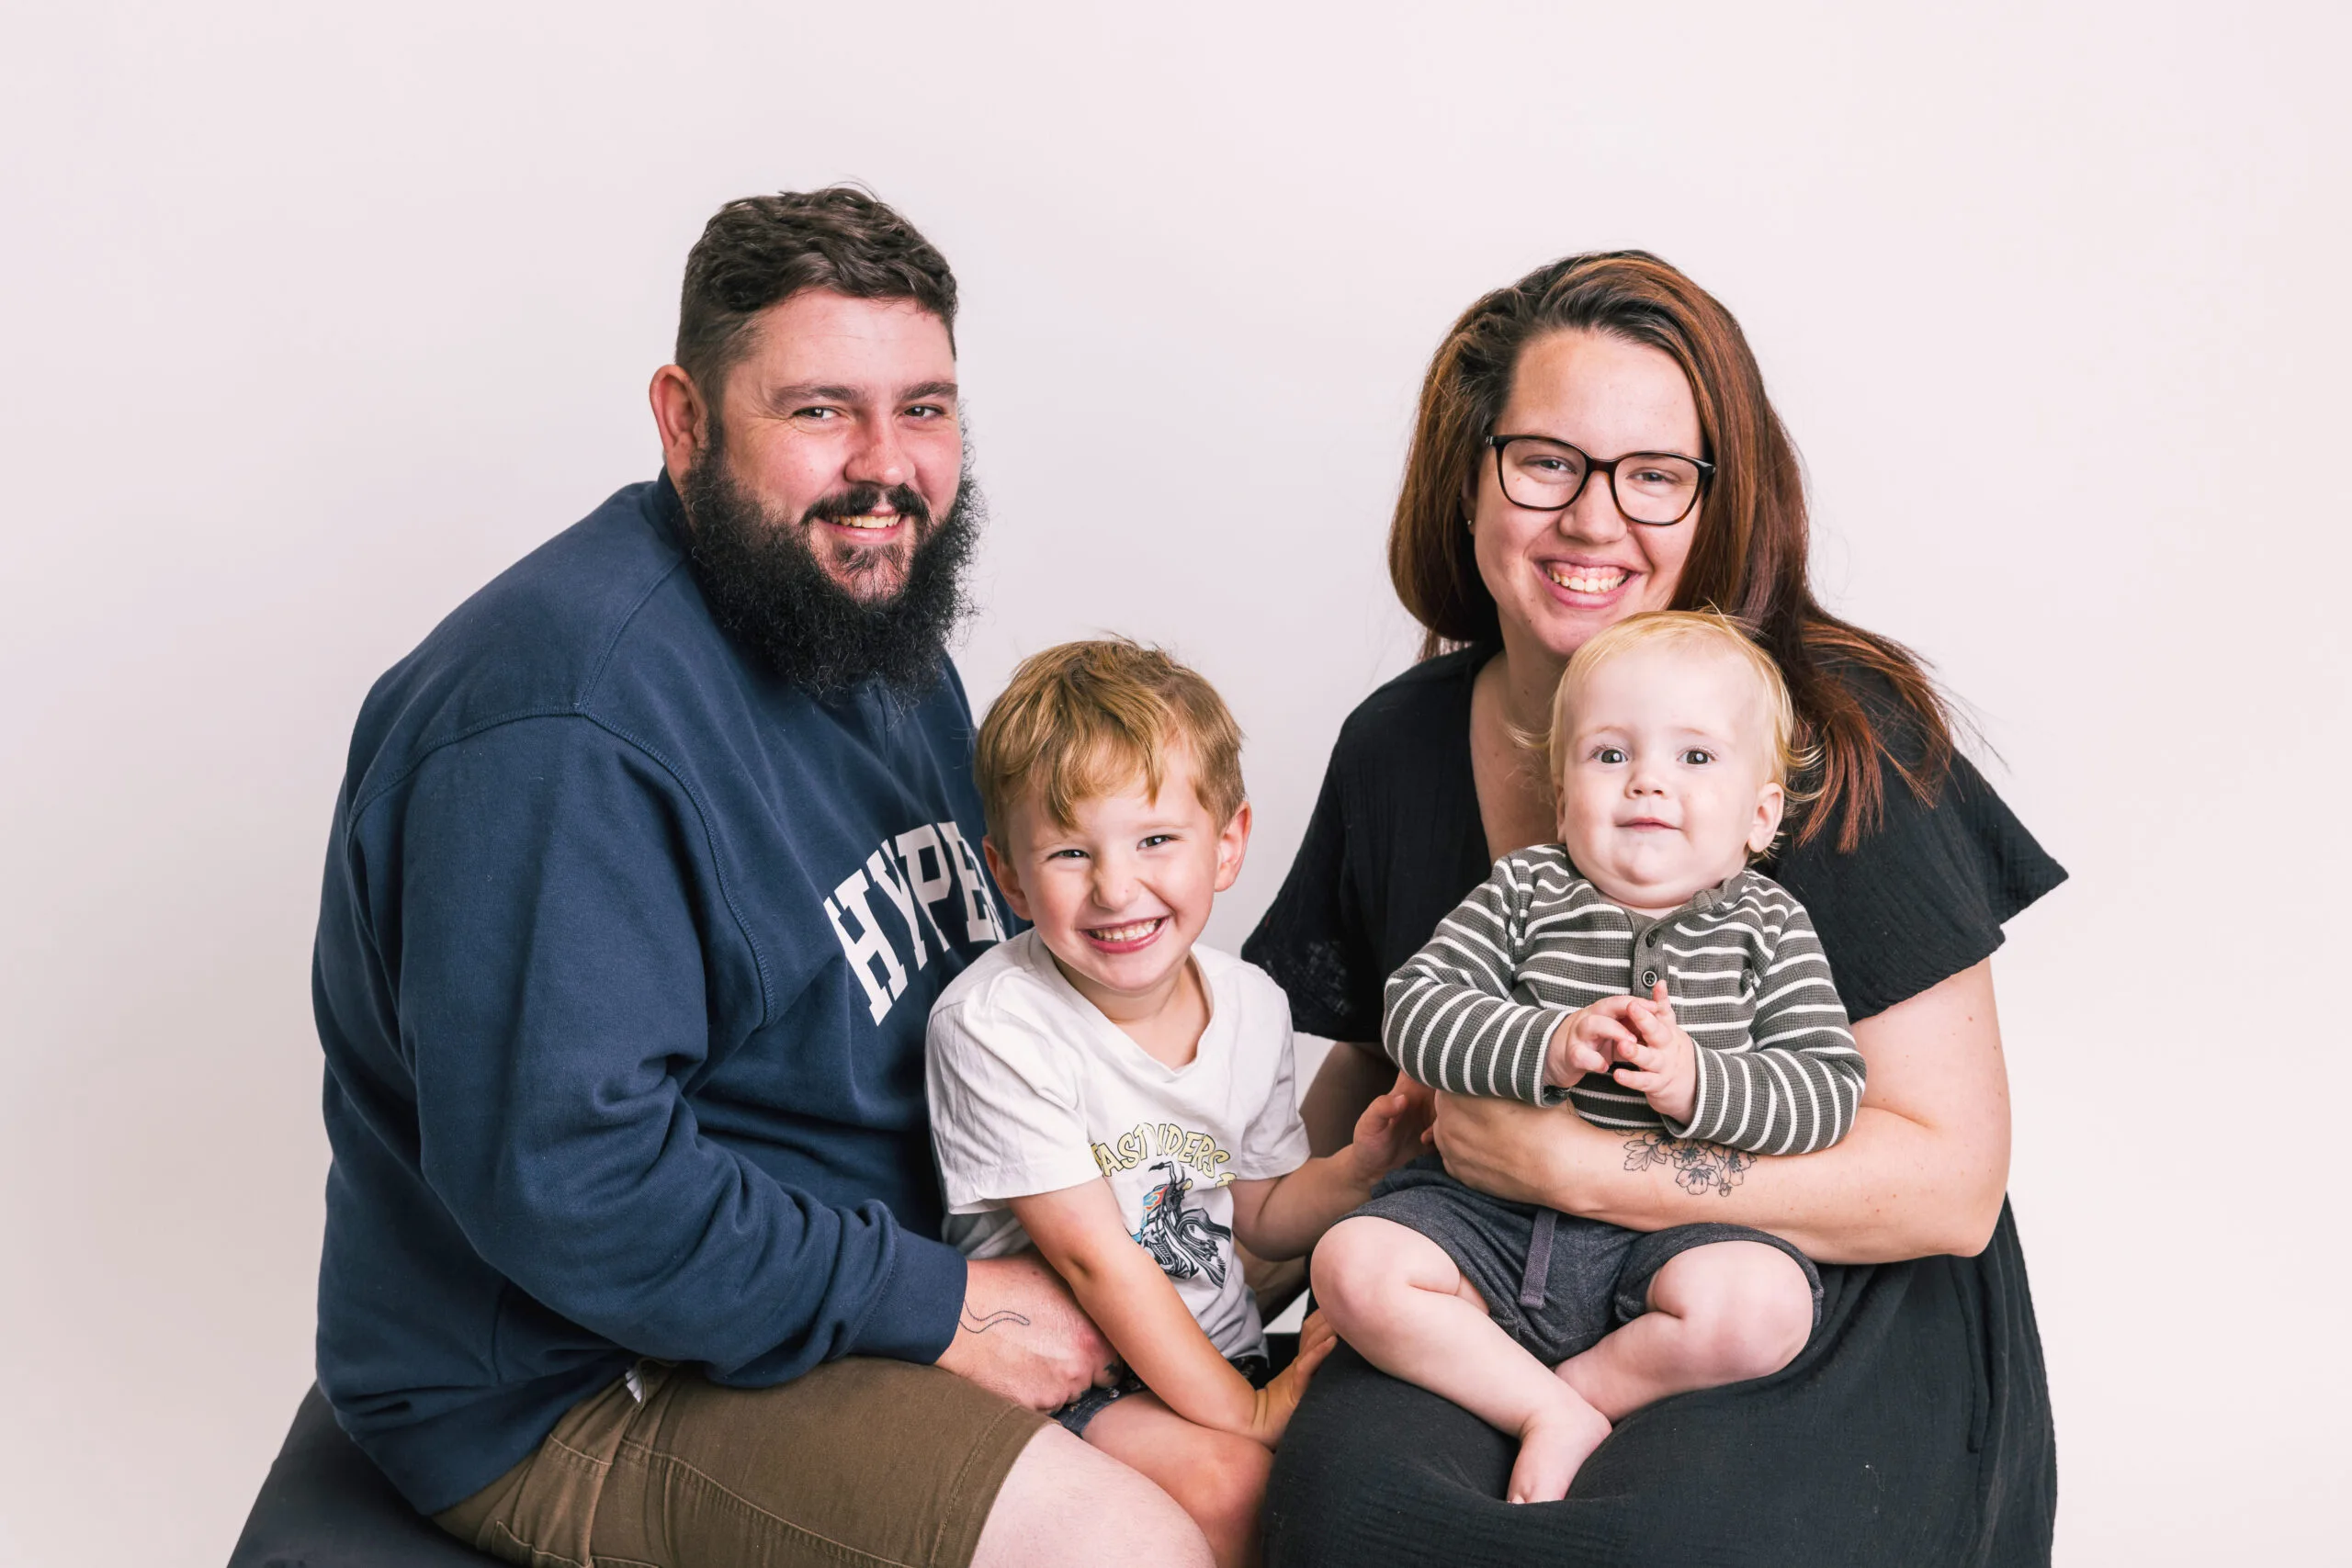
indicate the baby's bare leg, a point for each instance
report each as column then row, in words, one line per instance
column 1219, row 1478
column 1719, row 1313
column 1396, row 1297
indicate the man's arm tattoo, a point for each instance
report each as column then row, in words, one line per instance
column 981, row 1323
column 1697, row 1168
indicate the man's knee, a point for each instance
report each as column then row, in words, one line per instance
column 1063, row 1503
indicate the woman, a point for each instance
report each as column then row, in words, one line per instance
column 1915, row 1428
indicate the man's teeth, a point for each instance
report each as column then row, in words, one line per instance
column 871, row 520
column 1135, row 931
column 1587, row 580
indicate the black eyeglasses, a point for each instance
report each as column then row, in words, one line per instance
column 1654, row 488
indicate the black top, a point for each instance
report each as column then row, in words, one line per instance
column 1397, row 841
column 1914, row 1428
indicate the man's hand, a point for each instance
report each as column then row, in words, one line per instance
column 1021, row 1335
column 1662, row 1065
column 1589, row 1039
column 1392, row 1129
column 1283, row 1391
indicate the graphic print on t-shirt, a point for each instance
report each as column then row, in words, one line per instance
column 1183, row 1242
column 915, row 871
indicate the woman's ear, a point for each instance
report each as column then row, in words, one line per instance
column 1007, row 882
column 1231, row 846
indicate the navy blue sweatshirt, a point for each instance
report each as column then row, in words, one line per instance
column 623, row 962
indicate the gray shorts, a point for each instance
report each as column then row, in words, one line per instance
column 1556, row 1300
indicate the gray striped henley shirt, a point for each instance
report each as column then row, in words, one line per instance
column 1474, row 1010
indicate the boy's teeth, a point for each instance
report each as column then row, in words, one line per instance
column 1135, row 932
column 1587, row 580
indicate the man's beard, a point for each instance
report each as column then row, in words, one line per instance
column 767, row 590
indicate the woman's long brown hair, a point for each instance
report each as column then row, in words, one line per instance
column 1750, row 554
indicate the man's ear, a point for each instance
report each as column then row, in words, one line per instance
column 1231, row 846
column 1006, row 882
column 681, row 417
column 1771, row 801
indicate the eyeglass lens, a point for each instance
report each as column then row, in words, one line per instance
column 1651, row 487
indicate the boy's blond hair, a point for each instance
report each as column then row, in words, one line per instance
column 1709, row 629
column 1084, row 719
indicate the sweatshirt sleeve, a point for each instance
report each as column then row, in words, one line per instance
column 1794, row 1085
column 1449, row 1019
column 546, row 899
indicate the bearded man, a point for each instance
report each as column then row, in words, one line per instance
column 646, row 868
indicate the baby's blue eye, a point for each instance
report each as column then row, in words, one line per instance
column 1609, row 754
column 1698, row 756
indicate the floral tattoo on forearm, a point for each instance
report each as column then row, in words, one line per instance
column 1697, row 1168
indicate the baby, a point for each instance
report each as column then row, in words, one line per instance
column 1108, row 1090
column 1639, row 969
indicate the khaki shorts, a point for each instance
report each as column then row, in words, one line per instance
column 862, row 1461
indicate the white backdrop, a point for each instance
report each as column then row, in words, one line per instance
column 314, row 318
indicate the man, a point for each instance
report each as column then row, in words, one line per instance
column 646, row 866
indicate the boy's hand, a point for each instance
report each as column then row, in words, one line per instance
column 1662, row 1066
column 1281, row 1395
column 1589, row 1040
column 1392, row 1129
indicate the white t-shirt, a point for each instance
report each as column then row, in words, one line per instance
column 1033, row 1090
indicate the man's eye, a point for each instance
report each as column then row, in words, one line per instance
column 926, row 412
column 819, row 415
column 1609, row 754
column 1698, row 757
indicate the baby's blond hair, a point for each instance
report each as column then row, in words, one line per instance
column 1083, row 719
column 1705, row 629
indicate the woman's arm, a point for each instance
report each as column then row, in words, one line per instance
column 1922, row 1172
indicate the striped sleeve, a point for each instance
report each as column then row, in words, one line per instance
column 1794, row 1084
column 1448, row 1019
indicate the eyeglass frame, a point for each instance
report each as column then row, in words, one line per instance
column 1592, row 465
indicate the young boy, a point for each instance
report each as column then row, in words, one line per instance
column 1639, row 969
column 1106, row 1089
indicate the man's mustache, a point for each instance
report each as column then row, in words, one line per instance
column 859, row 500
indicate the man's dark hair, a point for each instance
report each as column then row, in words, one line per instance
column 761, row 248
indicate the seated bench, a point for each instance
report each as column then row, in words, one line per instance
column 326, row 1505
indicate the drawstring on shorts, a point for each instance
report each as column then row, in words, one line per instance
column 1539, row 1259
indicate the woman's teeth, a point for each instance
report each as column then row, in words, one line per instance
column 1588, row 578
column 1135, row 931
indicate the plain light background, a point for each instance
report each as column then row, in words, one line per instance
column 315, row 318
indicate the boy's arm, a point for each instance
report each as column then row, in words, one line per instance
column 1796, row 1087
column 1447, row 1017
column 1283, row 1216
column 1079, row 1231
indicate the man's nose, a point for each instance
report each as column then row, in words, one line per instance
column 878, row 458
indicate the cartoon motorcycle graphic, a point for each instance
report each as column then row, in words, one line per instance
column 1183, row 1242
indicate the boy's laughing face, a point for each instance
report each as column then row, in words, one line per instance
column 1120, row 897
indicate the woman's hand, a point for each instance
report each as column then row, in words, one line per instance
column 1922, row 1170
column 1525, row 1153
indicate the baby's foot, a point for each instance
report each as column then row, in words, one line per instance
column 1553, row 1446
